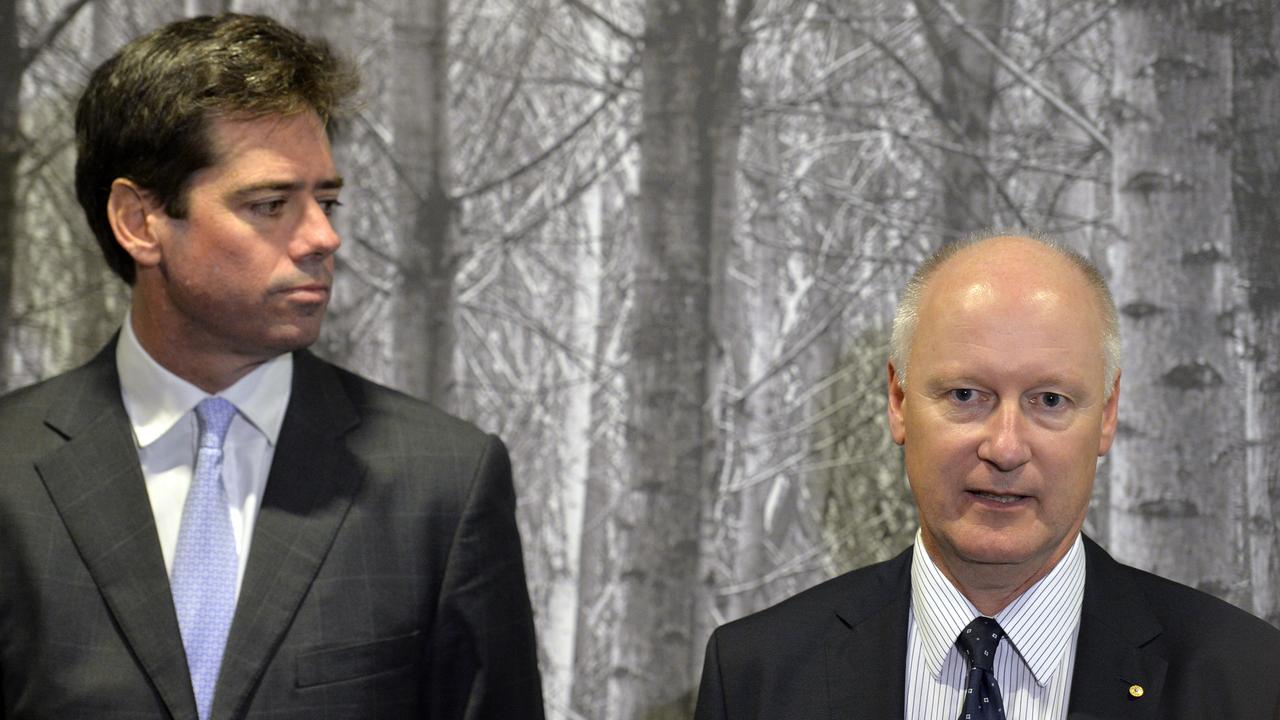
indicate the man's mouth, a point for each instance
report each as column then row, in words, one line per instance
column 1003, row 499
column 308, row 293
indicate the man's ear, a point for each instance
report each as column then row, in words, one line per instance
column 897, row 423
column 132, row 212
column 1110, row 418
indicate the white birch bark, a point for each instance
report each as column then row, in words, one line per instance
column 653, row 529
column 759, row 418
column 1078, row 212
column 559, row 629
column 1178, row 466
column 1257, row 251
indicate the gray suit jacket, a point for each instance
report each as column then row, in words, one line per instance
column 839, row 651
column 385, row 577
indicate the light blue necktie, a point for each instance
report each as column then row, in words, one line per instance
column 205, row 564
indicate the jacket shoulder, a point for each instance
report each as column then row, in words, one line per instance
column 28, row 404
column 845, row 599
column 28, row 408
column 392, row 413
column 1191, row 617
column 1194, row 631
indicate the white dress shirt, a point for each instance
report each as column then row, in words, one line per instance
column 161, row 408
column 1033, row 664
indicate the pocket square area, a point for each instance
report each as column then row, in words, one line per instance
column 349, row 662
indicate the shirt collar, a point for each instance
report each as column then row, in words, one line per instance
column 156, row 399
column 1039, row 623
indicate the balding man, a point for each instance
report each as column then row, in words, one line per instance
column 1003, row 386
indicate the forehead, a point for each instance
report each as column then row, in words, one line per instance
column 1010, row 301
column 298, row 136
column 1018, row 270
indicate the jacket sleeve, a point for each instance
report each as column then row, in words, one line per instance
column 484, row 661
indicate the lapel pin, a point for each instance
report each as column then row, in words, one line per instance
column 1136, row 691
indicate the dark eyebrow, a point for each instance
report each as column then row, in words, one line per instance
column 333, row 183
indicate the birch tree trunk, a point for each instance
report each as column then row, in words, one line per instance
column 1178, row 464
column 1256, row 105
column 560, row 626
column 968, row 76
column 653, row 530
column 1079, row 206
column 10, row 154
column 595, row 626
column 728, row 326
column 757, row 421
column 428, row 259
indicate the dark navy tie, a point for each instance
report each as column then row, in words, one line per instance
column 978, row 642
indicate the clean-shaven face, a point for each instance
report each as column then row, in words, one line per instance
column 1005, row 413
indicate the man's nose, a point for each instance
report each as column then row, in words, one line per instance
column 316, row 236
column 1004, row 443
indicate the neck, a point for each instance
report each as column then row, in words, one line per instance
column 991, row 587
column 185, row 356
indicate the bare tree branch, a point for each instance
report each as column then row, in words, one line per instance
column 793, row 351
column 1036, row 86
column 549, row 150
column 582, row 7
column 51, row 33
column 1098, row 16
column 527, row 45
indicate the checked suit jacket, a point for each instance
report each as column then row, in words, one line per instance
column 839, row 651
column 384, row 580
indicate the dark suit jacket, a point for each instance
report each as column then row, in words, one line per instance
column 839, row 650
column 384, row 580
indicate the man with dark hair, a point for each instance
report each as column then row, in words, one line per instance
column 207, row 521
column 1003, row 382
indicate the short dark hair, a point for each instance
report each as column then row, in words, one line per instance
column 146, row 112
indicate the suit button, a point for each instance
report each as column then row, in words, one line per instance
column 1136, row 691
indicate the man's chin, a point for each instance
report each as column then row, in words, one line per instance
column 295, row 337
column 997, row 549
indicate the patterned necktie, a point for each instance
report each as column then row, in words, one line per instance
column 978, row 642
column 205, row 563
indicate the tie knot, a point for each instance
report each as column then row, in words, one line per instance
column 215, row 416
column 978, row 641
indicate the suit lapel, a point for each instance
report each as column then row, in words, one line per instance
column 866, row 665
column 311, row 485
column 97, row 485
column 1113, row 653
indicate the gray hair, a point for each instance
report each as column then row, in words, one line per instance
column 908, row 312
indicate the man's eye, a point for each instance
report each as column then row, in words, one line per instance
column 963, row 395
column 1051, row 400
column 268, row 207
column 330, row 205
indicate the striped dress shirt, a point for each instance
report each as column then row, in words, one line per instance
column 1033, row 664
